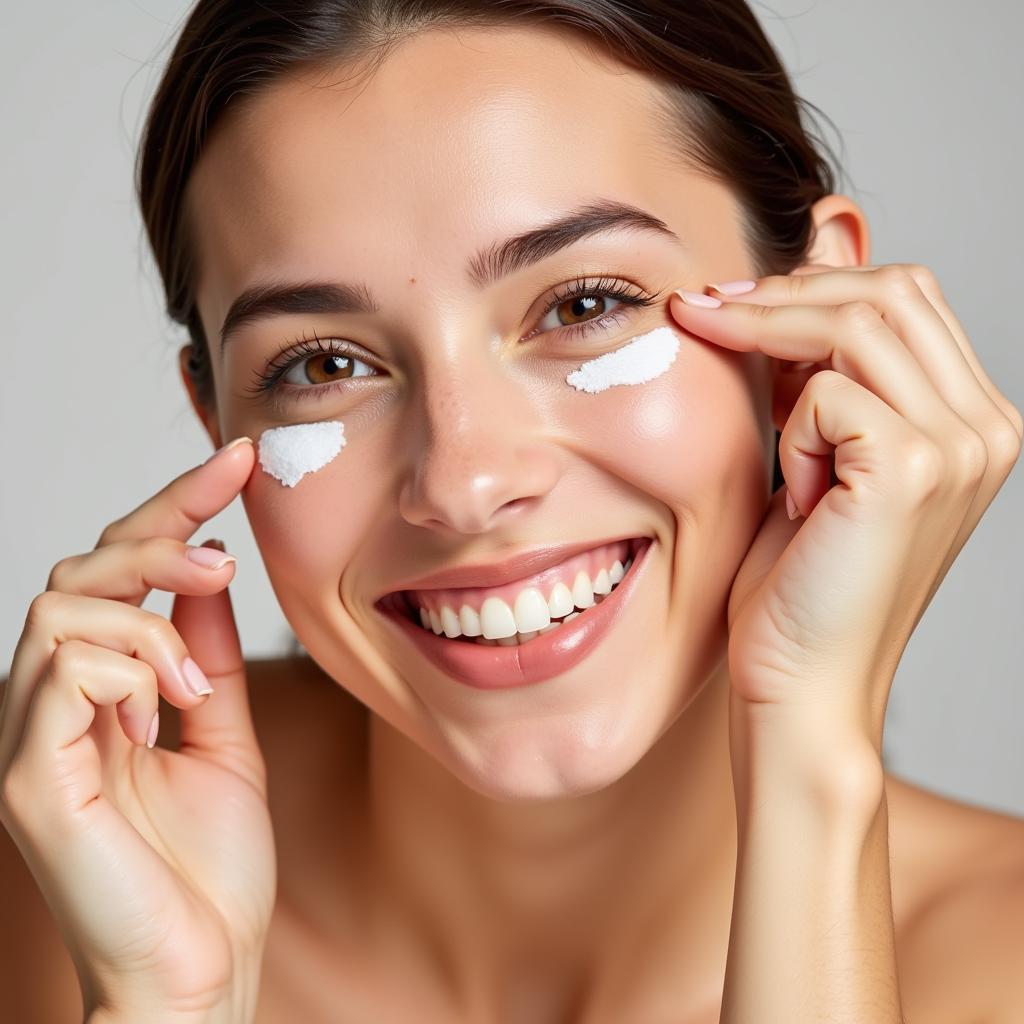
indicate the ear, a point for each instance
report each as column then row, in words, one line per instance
column 206, row 416
column 841, row 239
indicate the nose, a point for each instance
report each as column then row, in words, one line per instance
column 480, row 454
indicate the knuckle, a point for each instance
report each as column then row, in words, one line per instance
column 42, row 608
column 925, row 279
column 971, row 455
column 1004, row 445
column 112, row 532
column 898, row 282
column 825, row 381
column 59, row 574
column 1016, row 422
column 922, row 468
column 857, row 317
column 156, row 629
column 69, row 657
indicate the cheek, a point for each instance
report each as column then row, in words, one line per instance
column 690, row 436
column 309, row 533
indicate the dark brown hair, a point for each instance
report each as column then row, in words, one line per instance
column 729, row 111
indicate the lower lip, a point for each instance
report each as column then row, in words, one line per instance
column 545, row 656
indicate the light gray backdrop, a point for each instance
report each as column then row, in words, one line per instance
column 94, row 419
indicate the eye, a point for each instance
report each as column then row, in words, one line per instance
column 572, row 312
column 311, row 368
column 324, row 368
column 583, row 305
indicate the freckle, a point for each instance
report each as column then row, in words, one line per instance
column 412, row 280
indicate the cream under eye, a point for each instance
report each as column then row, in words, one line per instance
column 340, row 361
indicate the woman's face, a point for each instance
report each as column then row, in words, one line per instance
column 464, row 442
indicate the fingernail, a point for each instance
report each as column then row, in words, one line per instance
column 791, row 505
column 698, row 299
column 225, row 447
column 734, row 287
column 154, row 728
column 209, row 558
column 195, row 678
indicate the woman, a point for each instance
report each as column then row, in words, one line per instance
column 665, row 804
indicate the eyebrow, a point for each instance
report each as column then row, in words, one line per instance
column 275, row 298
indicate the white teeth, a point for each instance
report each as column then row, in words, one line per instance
column 560, row 601
column 450, row 623
column 497, row 620
column 531, row 611
column 582, row 590
column 469, row 621
column 497, row 623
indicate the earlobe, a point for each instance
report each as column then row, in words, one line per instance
column 208, row 420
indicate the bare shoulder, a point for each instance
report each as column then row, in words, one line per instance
column 958, row 900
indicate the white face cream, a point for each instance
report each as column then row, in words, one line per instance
column 636, row 362
column 289, row 453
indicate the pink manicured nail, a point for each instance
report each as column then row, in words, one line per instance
column 791, row 505
column 225, row 447
column 195, row 678
column 154, row 728
column 698, row 299
column 209, row 558
column 735, row 287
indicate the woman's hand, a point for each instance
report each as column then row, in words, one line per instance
column 823, row 607
column 158, row 866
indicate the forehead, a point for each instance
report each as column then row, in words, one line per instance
column 457, row 138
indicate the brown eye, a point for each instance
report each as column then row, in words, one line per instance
column 326, row 367
column 579, row 309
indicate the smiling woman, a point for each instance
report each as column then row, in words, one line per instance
column 586, row 727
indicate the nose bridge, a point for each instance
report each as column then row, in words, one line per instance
column 479, row 446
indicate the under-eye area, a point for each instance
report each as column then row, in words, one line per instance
column 516, row 613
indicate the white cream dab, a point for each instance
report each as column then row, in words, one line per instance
column 289, row 453
column 637, row 362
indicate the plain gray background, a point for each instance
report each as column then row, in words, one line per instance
column 926, row 97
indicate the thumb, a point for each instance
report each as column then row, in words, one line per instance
column 221, row 728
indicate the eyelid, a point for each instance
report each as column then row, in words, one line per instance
column 268, row 381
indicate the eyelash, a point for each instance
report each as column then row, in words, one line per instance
column 304, row 347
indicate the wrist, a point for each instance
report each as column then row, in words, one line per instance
column 798, row 756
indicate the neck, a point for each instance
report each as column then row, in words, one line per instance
column 627, row 888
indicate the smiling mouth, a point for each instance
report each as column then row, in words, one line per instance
column 518, row 612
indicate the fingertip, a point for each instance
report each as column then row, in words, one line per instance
column 222, row 451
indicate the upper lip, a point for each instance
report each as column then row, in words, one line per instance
column 507, row 570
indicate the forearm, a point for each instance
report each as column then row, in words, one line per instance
column 812, row 932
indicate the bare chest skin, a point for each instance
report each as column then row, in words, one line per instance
column 938, row 847
column 955, row 876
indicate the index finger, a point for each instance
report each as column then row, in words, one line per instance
column 198, row 494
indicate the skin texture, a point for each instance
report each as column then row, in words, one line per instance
column 569, row 848
column 543, row 791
